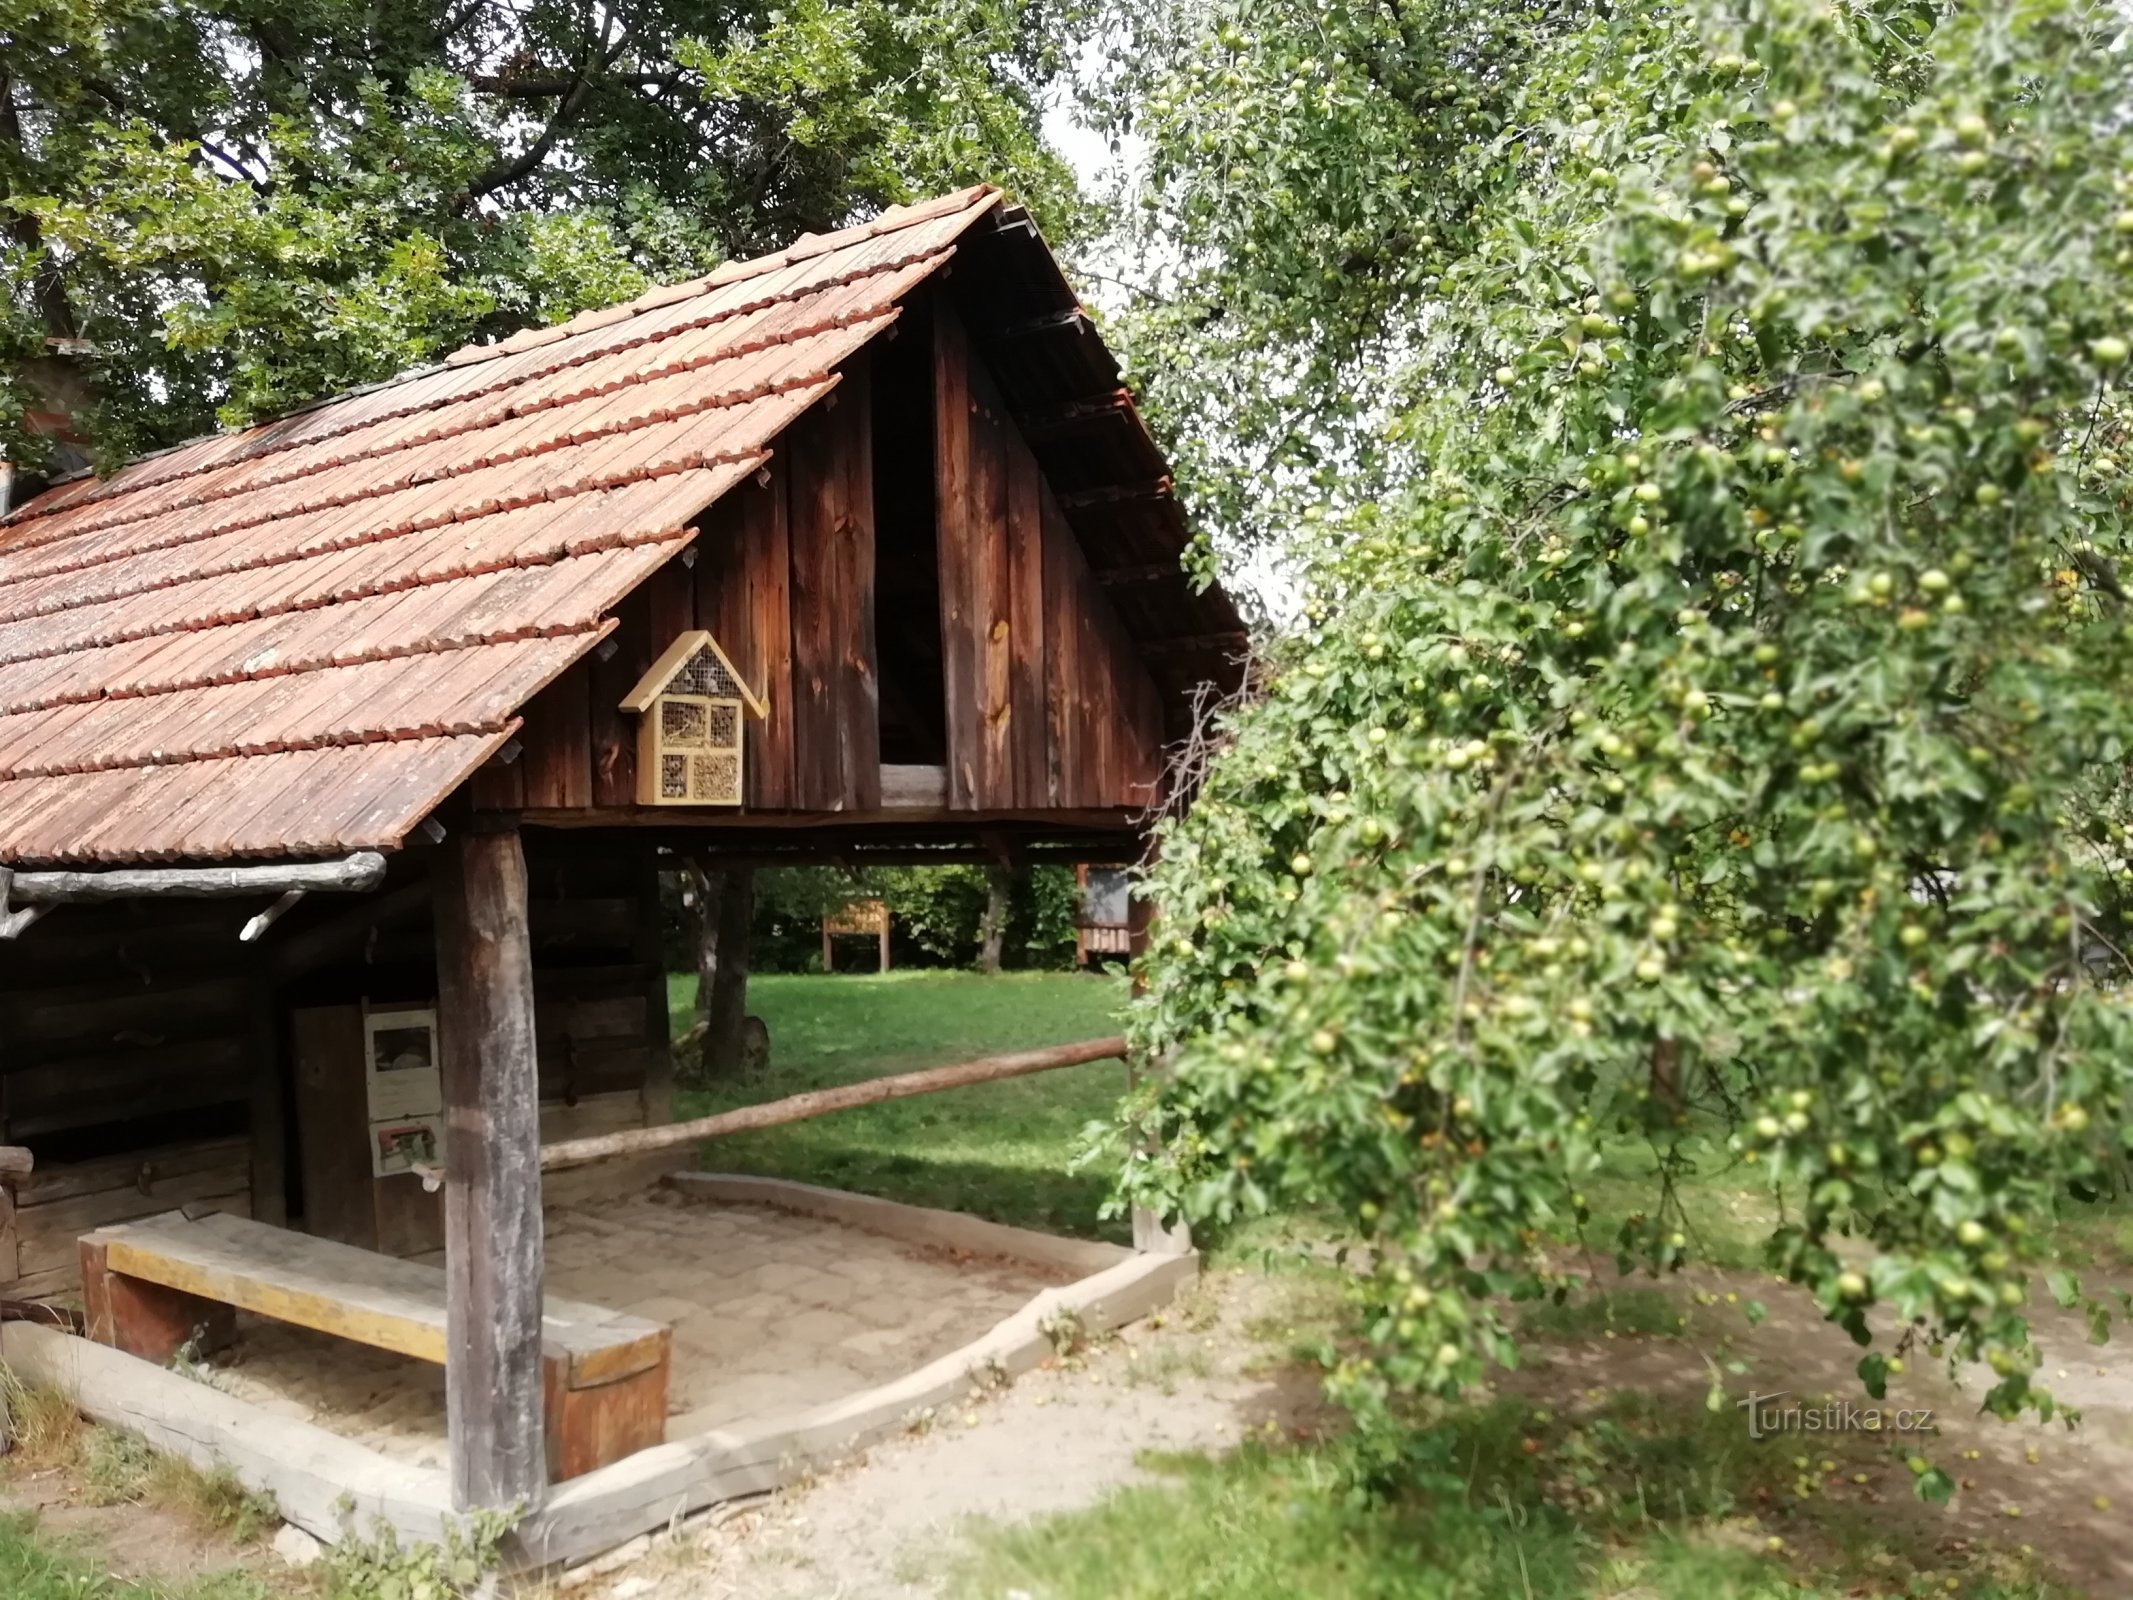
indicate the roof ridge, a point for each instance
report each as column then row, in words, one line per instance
column 116, row 486
column 807, row 247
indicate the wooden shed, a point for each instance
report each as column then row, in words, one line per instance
column 325, row 853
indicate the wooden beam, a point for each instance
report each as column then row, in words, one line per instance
column 647, row 945
column 1111, row 494
column 268, row 1113
column 362, row 871
column 344, row 933
column 492, row 1200
column 1152, row 572
column 1073, row 318
column 1050, row 420
column 818, row 1102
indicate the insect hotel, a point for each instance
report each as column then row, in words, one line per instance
column 339, row 758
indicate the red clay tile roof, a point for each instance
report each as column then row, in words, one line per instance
column 298, row 638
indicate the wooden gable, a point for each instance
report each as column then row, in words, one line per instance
column 903, row 594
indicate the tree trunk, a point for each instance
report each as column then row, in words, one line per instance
column 1666, row 1076
column 993, row 930
column 725, row 909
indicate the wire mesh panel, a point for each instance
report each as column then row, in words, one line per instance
column 686, row 725
column 715, row 778
column 691, row 730
column 705, row 674
column 724, row 731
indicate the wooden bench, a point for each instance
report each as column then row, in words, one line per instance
column 153, row 1286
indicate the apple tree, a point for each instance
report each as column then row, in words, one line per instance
column 1720, row 717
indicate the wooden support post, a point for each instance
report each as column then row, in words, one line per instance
column 492, row 1182
column 15, row 1165
column 828, row 959
column 726, row 1008
column 884, row 938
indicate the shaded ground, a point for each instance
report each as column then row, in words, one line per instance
column 2020, row 1483
column 147, row 1545
column 90, row 1514
column 772, row 1313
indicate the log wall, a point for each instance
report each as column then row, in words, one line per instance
column 148, row 1059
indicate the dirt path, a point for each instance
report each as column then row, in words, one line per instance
column 881, row 1526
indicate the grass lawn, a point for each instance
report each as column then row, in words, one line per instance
column 1000, row 1150
column 1622, row 1503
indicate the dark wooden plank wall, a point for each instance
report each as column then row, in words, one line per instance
column 783, row 576
column 136, row 1011
column 132, row 1034
column 830, row 509
column 1048, row 702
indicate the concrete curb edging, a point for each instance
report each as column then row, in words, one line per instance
column 921, row 1225
column 309, row 1471
column 314, row 1474
column 658, row 1486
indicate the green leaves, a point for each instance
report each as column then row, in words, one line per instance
column 240, row 213
column 1753, row 680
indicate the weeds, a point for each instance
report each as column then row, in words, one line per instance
column 1066, row 1332
column 1160, row 1366
column 119, row 1468
column 1637, row 1313
column 44, row 1423
column 379, row 1567
column 34, row 1568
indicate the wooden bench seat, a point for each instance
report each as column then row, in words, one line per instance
column 153, row 1286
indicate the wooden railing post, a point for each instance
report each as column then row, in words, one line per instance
column 492, row 1180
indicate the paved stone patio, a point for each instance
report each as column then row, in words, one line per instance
column 772, row 1313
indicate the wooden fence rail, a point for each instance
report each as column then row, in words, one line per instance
column 816, row 1102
